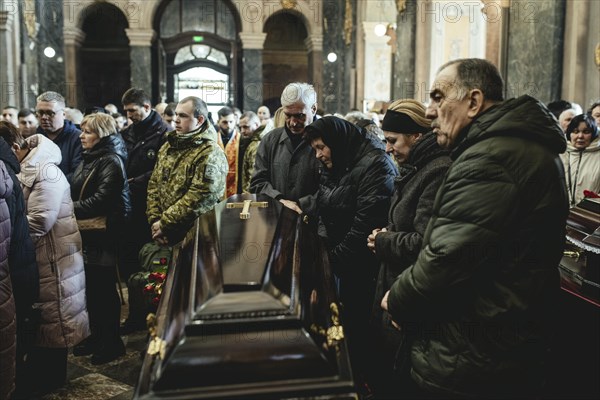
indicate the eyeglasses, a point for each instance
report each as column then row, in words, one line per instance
column 47, row 113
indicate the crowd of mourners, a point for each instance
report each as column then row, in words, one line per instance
column 444, row 222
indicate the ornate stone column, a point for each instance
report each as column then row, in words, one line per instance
column 577, row 59
column 73, row 39
column 252, row 74
column 8, row 74
column 535, row 49
column 423, row 38
column 377, row 66
column 314, row 47
column 140, row 44
column 404, row 80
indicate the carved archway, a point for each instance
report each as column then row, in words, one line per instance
column 198, row 35
column 285, row 57
column 104, row 58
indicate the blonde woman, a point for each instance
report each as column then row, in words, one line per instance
column 99, row 189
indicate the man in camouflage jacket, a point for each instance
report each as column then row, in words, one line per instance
column 253, row 131
column 189, row 177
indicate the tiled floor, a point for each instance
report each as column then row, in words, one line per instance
column 115, row 380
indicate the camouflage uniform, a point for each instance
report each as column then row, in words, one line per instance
column 249, row 156
column 188, row 179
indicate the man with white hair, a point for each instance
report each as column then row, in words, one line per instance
column 286, row 168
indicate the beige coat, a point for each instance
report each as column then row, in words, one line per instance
column 8, row 322
column 583, row 169
column 54, row 231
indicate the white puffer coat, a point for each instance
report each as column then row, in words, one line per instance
column 54, row 231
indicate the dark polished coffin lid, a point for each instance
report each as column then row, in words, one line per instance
column 580, row 266
column 248, row 311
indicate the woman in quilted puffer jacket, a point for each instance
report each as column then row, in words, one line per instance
column 53, row 229
column 8, row 325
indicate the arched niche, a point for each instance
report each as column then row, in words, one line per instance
column 104, row 60
column 285, row 55
column 198, row 51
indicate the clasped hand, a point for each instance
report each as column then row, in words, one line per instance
column 384, row 305
column 157, row 234
column 371, row 238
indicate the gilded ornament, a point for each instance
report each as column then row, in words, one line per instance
column 401, row 6
column 30, row 20
column 289, row 4
column 348, row 25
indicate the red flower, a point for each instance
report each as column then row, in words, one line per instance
column 156, row 277
column 155, row 300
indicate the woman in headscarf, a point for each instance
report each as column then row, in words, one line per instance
column 353, row 199
column 422, row 167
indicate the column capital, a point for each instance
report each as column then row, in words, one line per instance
column 140, row 37
column 253, row 40
column 73, row 36
column 314, row 43
column 6, row 21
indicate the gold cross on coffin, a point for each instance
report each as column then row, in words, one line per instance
column 245, row 206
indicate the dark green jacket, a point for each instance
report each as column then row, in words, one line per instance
column 480, row 296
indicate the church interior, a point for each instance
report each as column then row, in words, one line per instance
column 359, row 55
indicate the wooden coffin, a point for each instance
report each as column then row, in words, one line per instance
column 248, row 311
column 580, row 266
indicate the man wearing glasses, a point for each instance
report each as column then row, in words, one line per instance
column 286, row 168
column 50, row 111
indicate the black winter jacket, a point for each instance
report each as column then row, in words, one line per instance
column 353, row 198
column 143, row 140
column 284, row 172
column 412, row 204
column 24, row 272
column 481, row 295
column 107, row 191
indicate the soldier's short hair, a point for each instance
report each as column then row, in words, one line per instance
column 135, row 96
column 52, row 97
column 200, row 107
column 299, row 92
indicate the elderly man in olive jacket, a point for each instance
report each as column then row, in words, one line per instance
column 189, row 177
column 481, row 295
